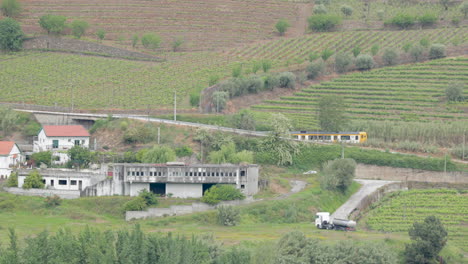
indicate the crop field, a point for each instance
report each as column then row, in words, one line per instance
column 407, row 92
column 399, row 211
column 204, row 24
column 293, row 50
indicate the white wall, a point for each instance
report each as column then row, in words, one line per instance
column 44, row 143
column 14, row 158
column 135, row 188
column 68, row 186
column 185, row 190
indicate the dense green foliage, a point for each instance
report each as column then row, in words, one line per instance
column 342, row 62
column 42, row 157
column 437, row 51
column 159, row 154
column 12, row 180
column 222, row 192
column 454, row 92
column 52, row 23
column 144, row 199
column 33, row 180
column 228, row 154
column 79, row 27
column 331, row 113
column 402, row 20
column 228, row 215
column 80, row 157
column 314, row 69
column 10, row 8
column 151, row 41
column 281, row 26
column 323, row 22
column 390, row 57
column 338, row 174
column 364, row 62
column 427, row 19
column 11, row 35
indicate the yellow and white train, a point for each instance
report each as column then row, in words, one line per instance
column 348, row 137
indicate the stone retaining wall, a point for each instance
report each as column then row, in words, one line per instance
column 64, row 194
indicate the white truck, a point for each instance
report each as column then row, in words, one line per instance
column 324, row 221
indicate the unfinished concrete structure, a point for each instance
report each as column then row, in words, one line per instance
column 178, row 180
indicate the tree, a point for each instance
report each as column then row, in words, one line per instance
column 454, row 92
column 326, row 53
column 177, row 43
column 424, row 42
column 159, row 154
column 338, row 174
column 313, row 56
column 228, row 216
column 244, row 119
column 390, row 56
column 323, row 22
column 10, row 8
column 33, row 180
column 375, row 49
column 356, row 51
column 52, row 23
column 416, row 52
column 80, row 156
column 346, row 10
column 464, row 9
column 11, row 35
column 364, row 62
column 287, row 80
column 101, row 33
column 437, row 51
column 42, row 157
column 403, row 20
column 332, row 113
column 79, row 27
column 428, row 239
column 13, row 180
column 342, row 62
column 222, row 192
column 427, row 19
column 320, row 9
column 282, row 25
column 315, row 69
column 266, row 65
column 219, row 100
column 151, row 41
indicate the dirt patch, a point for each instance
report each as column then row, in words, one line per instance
column 277, row 188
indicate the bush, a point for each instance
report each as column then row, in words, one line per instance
column 402, row 20
column 266, row 65
column 424, row 42
column 427, row 19
column 136, row 204
column 33, row 180
column 228, row 215
column 52, row 201
column 78, row 28
column 149, row 197
column 320, row 9
column 11, row 35
column 177, row 42
column 253, row 84
column 52, row 23
column 323, row 22
column 326, row 53
column 101, row 33
column 464, row 9
column 460, row 152
column 346, row 10
column 364, row 62
column 437, row 51
column 12, row 180
column 287, row 80
column 219, row 100
column 313, row 56
column 237, row 71
column 270, row 81
column 356, row 51
column 159, row 154
column 244, row 119
column 42, row 157
column 338, row 174
column 151, row 41
column 342, row 62
column 390, row 57
column 222, row 192
column 10, row 8
column 454, row 92
column 282, row 25
column 184, row 151
column 374, row 49
column 195, row 99
column 416, row 52
column 315, row 69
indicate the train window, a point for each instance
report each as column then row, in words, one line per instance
column 313, row 137
column 345, row 137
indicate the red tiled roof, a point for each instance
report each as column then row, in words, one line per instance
column 66, row 131
column 5, row 147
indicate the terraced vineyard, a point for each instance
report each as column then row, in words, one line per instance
column 293, row 50
column 204, row 24
column 398, row 212
column 406, row 92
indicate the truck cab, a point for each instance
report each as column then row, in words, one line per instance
column 322, row 220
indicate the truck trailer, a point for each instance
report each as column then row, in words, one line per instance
column 324, row 221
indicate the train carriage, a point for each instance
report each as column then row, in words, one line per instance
column 347, row 137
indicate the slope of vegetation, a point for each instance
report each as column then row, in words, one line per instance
column 398, row 211
column 407, row 92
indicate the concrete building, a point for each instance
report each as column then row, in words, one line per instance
column 59, row 139
column 10, row 157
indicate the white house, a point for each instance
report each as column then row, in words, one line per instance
column 10, row 156
column 59, row 139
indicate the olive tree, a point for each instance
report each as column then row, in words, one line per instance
column 219, row 100
column 315, row 69
column 151, row 41
column 364, row 62
column 11, row 35
column 437, row 51
column 79, row 27
column 454, row 92
column 338, row 174
column 390, row 56
column 346, row 10
column 52, row 23
column 416, row 52
column 282, row 25
column 342, row 62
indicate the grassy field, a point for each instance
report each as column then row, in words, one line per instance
column 408, row 92
column 399, row 210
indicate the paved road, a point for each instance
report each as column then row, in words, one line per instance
column 368, row 187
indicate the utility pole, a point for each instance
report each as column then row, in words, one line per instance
column 72, row 104
column 342, row 149
column 159, row 135
column 463, row 146
column 175, row 106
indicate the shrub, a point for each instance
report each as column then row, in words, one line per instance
column 320, row 9
column 326, row 53
column 101, row 33
column 11, row 35
column 323, row 22
column 79, row 27
column 287, row 80
column 313, row 56
column 315, row 69
column 402, row 20
column 424, row 42
column 374, row 49
column 342, row 62
column 228, row 215
column 338, row 174
column 159, row 154
column 256, row 66
column 244, row 119
column 390, row 57
column 195, row 99
column 136, row 204
column 427, row 19
column 459, row 151
column 10, row 8
column 42, row 157
column 356, row 51
column 464, row 9
column 135, row 39
column 52, row 201
column 364, row 62
column 219, row 100
column 282, row 25
column 416, row 52
column 346, row 10
column 454, row 92
column 266, row 65
column 222, row 192
column 254, row 84
column 33, row 180
column 52, row 23
column 244, row 156
column 12, row 180
column 183, row 151
column 149, row 197
column 270, row 82
column 437, row 51
column 237, row 71
column 151, row 41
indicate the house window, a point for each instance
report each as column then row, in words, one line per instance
column 62, row 182
column 51, row 182
column 72, row 182
column 242, row 186
column 55, row 143
column 242, row 173
column 82, row 142
column 77, row 142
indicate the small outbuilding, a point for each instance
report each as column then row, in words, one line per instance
column 10, row 157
